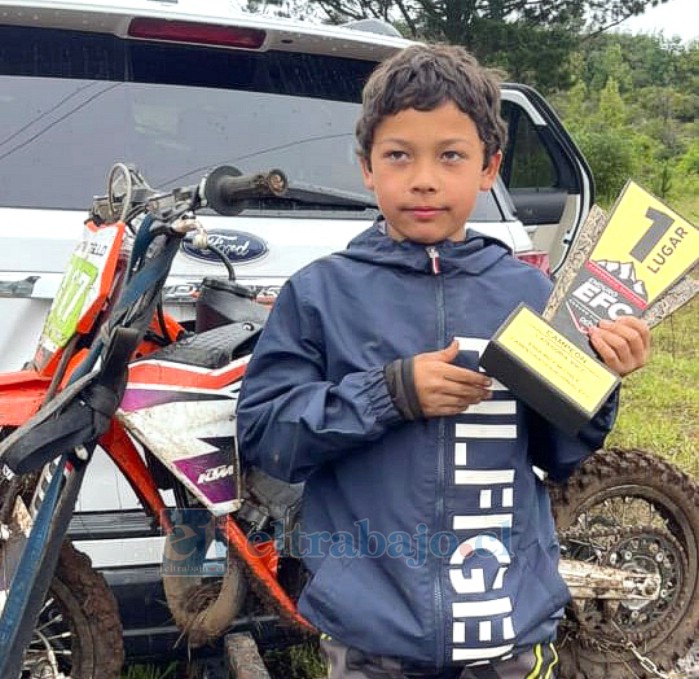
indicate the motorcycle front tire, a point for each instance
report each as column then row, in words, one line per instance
column 78, row 634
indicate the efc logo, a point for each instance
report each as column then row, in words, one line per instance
column 216, row 473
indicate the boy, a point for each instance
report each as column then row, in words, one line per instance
column 428, row 534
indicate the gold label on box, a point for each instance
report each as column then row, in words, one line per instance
column 557, row 360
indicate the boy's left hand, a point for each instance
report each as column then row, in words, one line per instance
column 623, row 345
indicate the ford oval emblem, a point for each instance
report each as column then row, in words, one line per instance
column 238, row 246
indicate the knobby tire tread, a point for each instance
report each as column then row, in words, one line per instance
column 98, row 651
column 600, row 474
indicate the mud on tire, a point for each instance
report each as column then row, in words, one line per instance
column 79, row 631
column 612, row 492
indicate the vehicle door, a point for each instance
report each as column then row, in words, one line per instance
column 548, row 178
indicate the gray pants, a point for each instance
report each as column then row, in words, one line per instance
column 349, row 663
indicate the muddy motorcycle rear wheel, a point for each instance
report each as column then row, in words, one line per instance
column 630, row 510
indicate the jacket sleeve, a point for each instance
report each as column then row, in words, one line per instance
column 560, row 454
column 291, row 419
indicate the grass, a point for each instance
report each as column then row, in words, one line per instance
column 296, row 662
column 660, row 403
column 150, row 671
column 688, row 204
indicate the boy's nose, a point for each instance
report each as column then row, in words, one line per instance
column 423, row 178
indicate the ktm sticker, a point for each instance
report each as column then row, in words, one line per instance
column 644, row 249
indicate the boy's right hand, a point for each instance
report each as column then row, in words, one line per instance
column 446, row 389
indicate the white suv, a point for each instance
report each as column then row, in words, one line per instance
column 177, row 87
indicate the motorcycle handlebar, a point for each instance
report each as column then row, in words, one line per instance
column 226, row 190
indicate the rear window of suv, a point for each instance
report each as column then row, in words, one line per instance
column 73, row 103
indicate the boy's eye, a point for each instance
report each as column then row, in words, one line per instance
column 452, row 156
column 395, row 155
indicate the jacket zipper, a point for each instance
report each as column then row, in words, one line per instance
column 435, row 265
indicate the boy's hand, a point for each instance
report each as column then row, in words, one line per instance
column 446, row 389
column 623, row 345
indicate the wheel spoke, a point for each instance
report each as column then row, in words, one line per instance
column 60, row 635
column 51, row 621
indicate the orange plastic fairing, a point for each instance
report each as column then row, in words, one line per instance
column 120, row 448
column 21, row 394
column 262, row 561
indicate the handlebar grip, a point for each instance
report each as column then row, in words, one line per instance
column 226, row 190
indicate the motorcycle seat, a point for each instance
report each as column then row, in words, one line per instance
column 212, row 349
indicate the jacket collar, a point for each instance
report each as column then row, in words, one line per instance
column 472, row 256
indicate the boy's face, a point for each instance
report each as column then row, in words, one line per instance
column 426, row 172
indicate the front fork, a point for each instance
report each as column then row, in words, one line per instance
column 25, row 585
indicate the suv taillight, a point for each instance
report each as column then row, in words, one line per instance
column 192, row 32
column 537, row 258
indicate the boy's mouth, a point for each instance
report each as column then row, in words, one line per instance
column 425, row 211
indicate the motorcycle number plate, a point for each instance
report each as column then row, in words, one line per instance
column 83, row 290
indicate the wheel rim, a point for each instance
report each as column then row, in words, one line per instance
column 60, row 639
column 606, row 516
column 649, row 508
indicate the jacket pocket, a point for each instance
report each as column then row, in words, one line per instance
column 322, row 594
column 360, row 602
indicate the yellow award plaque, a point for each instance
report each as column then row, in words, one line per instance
column 642, row 252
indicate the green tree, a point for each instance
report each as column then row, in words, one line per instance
column 612, row 159
column 689, row 162
column 633, row 109
column 456, row 20
column 529, row 39
column 608, row 62
column 612, row 110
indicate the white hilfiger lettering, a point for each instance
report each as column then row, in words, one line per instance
column 493, row 408
column 482, row 609
column 485, row 521
column 466, row 654
column 459, row 632
column 483, row 477
column 485, row 630
column 460, row 454
column 486, row 431
column 475, row 583
column 495, row 488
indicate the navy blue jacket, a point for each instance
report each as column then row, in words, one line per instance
column 428, row 540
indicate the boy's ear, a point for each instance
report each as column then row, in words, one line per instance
column 367, row 174
column 490, row 171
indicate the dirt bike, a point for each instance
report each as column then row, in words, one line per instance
column 106, row 314
column 113, row 369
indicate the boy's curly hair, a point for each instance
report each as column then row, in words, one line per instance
column 424, row 77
